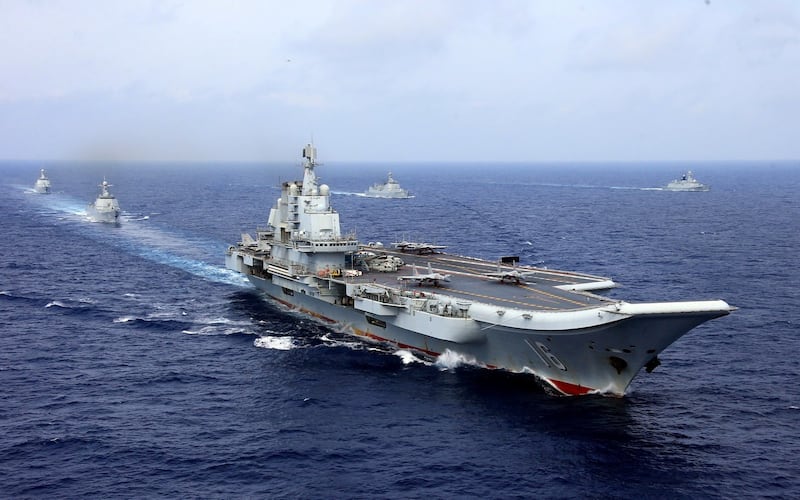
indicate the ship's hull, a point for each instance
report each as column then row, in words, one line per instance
column 596, row 359
column 687, row 188
column 386, row 194
column 42, row 184
column 106, row 216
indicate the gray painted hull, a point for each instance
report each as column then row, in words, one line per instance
column 601, row 359
column 109, row 217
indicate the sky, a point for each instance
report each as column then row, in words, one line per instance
column 400, row 80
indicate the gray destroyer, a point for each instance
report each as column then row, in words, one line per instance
column 492, row 314
column 42, row 185
column 687, row 182
column 390, row 189
column 105, row 207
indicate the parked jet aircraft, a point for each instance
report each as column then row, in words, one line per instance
column 420, row 248
column 430, row 279
column 511, row 276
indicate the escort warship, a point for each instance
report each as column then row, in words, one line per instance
column 390, row 189
column 106, row 207
column 498, row 315
column 42, row 185
column 687, row 182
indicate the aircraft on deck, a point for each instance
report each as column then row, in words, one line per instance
column 420, row 248
column 371, row 261
column 512, row 275
column 430, row 279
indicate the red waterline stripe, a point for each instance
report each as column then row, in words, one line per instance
column 569, row 389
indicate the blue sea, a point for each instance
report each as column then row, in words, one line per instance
column 133, row 365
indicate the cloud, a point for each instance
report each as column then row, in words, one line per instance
column 412, row 79
column 172, row 48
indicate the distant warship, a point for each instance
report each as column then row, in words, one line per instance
column 106, row 207
column 414, row 296
column 687, row 182
column 390, row 189
column 42, row 185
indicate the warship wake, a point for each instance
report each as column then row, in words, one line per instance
column 498, row 315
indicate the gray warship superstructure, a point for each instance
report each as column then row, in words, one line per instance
column 687, row 182
column 105, row 207
column 42, row 185
column 390, row 189
column 492, row 314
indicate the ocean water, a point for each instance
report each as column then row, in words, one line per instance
column 132, row 364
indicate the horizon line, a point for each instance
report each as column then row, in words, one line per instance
column 396, row 162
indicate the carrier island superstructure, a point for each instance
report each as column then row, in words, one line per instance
column 497, row 315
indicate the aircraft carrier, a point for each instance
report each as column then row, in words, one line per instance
column 497, row 315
